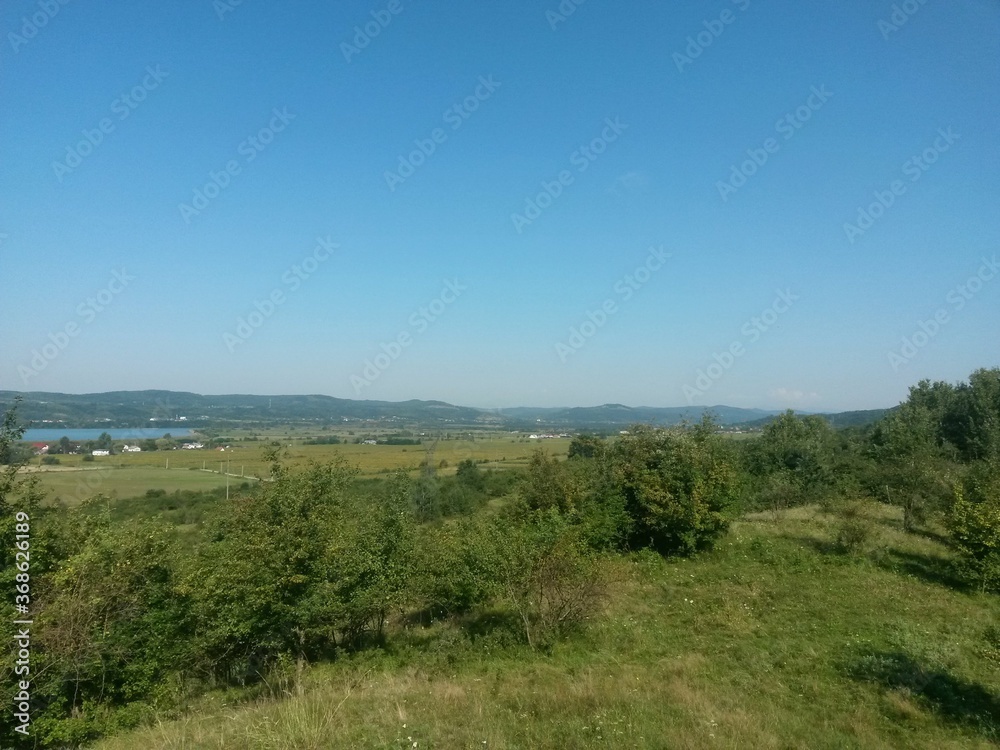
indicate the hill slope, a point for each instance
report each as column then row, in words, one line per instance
column 763, row 643
column 142, row 408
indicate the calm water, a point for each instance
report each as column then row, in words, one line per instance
column 47, row 434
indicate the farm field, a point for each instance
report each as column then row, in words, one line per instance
column 74, row 485
column 132, row 474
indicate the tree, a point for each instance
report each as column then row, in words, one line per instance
column 469, row 474
column 800, row 450
column 586, row 446
column 909, row 461
column 974, row 522
column 677, row 486
column 299, row 569
column 549, row 484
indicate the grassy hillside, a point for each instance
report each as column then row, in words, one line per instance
column 773, row 640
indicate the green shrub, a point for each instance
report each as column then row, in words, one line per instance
column 678, row 487
column 974, row 522
column 855, row 529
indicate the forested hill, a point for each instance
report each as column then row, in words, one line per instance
column 138, row 408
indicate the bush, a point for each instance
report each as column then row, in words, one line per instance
column 551, row 580
column 456, row 566
column 974, row 522
column 856, row 529
column 677, row 485
column 50, row 460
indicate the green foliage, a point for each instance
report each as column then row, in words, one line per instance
column 550, row 484
column 456, row 565
column 586, row 446
column 793, row 461
column 327, row 440
column 138, row 602
column 856, row 527
column 299, row 568
column 910, row 468
column 110, row 628
column 966, row 416
column 974, row 522
column 677, row 485
column 547, row 575
column 470, row 475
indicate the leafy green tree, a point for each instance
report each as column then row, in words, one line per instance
column 800, row 451
column 469, row 474
column 910, row 462
column 586, row 446
column 425, row 493
column 977, row 416
column 550, row 484
column 301, row 568
column 677, row 485
column 974, row 522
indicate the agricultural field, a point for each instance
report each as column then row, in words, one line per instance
column 132, row 474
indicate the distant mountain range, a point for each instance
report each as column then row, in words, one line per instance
column 167, row 408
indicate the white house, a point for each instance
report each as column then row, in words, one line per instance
column 131, row 449
column 101, row 453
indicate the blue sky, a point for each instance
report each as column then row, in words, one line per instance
column 464, row 206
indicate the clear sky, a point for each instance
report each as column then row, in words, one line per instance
column 396, row 200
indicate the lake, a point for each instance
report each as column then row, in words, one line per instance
column 48, row 435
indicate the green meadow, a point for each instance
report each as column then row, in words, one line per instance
column 773, row 640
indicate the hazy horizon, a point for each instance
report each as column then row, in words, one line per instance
column 705, row 406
